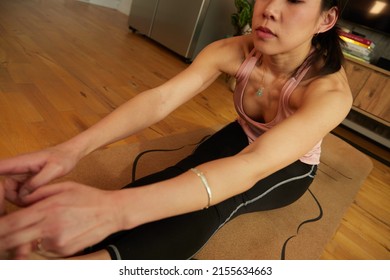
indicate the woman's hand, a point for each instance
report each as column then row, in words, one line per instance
column 3, row 254
column 2, row 201
column 25, row 173
column 65, row 218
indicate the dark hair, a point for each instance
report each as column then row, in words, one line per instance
column 328, row 44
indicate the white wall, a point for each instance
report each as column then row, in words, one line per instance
column 122, row 6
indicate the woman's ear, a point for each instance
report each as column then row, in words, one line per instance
column 328, row 19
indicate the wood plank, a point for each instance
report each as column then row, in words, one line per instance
column 374, row 97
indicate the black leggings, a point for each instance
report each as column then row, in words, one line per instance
column 181, row 237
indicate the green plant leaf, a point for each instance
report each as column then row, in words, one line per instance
column 245, row 18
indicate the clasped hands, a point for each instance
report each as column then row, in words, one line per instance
column 57, row 220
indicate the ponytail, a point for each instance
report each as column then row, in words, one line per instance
column 328, row 47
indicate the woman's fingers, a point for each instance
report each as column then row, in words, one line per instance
column 19, row 238
column 47, row 174
column 17, row 165
column 25, row 173
column 27, row 217
column 11, row 186
column 22, row 252
column 42, row 193
column 28, row 224
column 16, row 221
column 2, row 200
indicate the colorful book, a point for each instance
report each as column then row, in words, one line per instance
column 346, row 54
column 348, row 40
column 357, row 49
column 357, row 38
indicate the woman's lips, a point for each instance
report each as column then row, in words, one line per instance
column 264, row 33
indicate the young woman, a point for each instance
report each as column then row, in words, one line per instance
column 291, row 91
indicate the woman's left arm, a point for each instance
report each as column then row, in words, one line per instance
column 55, row 217
column 327, row 101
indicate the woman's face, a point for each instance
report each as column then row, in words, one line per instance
column 280, row 26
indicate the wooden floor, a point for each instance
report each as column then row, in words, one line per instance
column 65, row 64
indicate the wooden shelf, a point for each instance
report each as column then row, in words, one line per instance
column 369, row 85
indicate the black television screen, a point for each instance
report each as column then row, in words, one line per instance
column 369, row 13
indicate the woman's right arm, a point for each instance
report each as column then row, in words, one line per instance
column 23, row 174
column 151, row 106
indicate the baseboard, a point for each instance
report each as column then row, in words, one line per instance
column 122, row 6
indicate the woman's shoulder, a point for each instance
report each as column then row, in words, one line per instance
column 331, row 86
column 229, row 53
column 242, row 43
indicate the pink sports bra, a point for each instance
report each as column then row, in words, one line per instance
column 254, row 129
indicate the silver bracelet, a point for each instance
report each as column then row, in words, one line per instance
column 205, row 184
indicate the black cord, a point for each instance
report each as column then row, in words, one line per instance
column 138, row 157
column 283, row 253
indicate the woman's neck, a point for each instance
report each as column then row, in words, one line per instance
column 287, row 63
